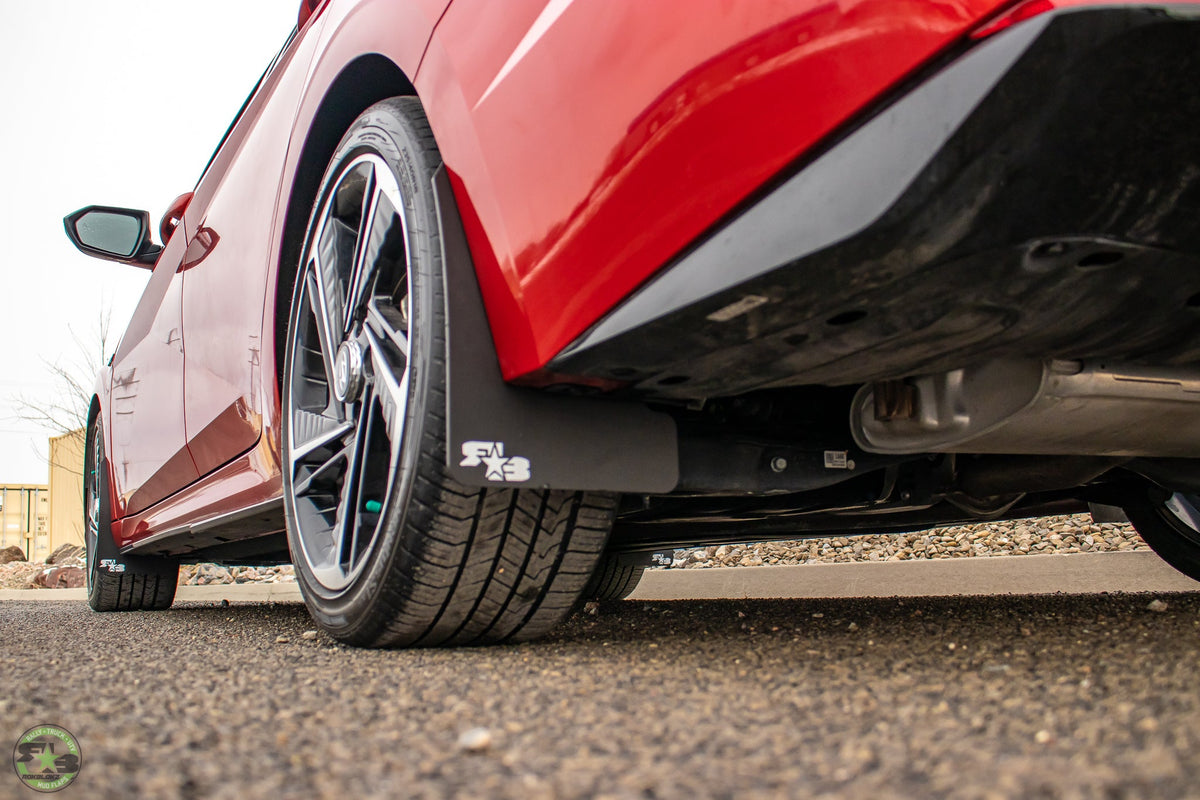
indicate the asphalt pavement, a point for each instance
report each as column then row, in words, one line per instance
column 1047, row 696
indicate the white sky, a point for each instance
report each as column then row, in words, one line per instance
column 119, row 103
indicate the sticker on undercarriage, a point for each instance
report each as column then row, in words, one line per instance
column 500, row 468
column 838, row 459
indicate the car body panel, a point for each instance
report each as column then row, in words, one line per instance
column 247, row 481
column 148, row 449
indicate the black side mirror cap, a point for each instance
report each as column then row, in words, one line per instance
column 114, row 234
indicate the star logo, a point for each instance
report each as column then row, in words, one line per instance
column 46, row 760
column 494, row 461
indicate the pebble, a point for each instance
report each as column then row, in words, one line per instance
column 309, row 635
column 282, row 639
column 1157, row 605
column 476, row 740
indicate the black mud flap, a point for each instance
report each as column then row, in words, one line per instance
column 109, row 557
column 503, row 435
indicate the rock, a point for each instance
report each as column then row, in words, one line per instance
column 475, row 740
column 212, row 574
column 282, row 639
column 11, row 554
column 309, row 635
column 64, row 553
column 1156, row 605
column 19, row 575
column 61, row 578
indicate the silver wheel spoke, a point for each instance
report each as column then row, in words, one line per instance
column 388, row 323
column 354, row 494
column 366, row 250
column 302, row 486
column 392, row 391
column 310, row 431
column 315, row 290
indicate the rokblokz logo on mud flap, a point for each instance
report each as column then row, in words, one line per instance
column 500, row 468
column 47, row 758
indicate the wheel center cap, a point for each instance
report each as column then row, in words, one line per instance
column 348, row 372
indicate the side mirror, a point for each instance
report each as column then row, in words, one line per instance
column 114, row 234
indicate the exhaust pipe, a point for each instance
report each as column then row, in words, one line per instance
column 1034, row 408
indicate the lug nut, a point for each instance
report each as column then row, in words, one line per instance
column 778, row 464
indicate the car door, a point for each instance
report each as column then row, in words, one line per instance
column 231, row 222
column 149, row 454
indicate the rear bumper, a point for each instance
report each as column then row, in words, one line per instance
column 1038, row 197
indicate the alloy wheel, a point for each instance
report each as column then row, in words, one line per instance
column 348, row 374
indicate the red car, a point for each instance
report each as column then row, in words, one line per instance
column 477, row 304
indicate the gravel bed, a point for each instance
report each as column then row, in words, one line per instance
column 21, row 574
column 1039, row 536
column 214, row 574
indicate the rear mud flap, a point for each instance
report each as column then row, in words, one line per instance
column 508, row 436
column 109, row 557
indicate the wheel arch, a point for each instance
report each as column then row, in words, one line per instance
column 93, row 410
column 92, row 414
column 363, row 82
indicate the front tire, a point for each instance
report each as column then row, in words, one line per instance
column 389, row 550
